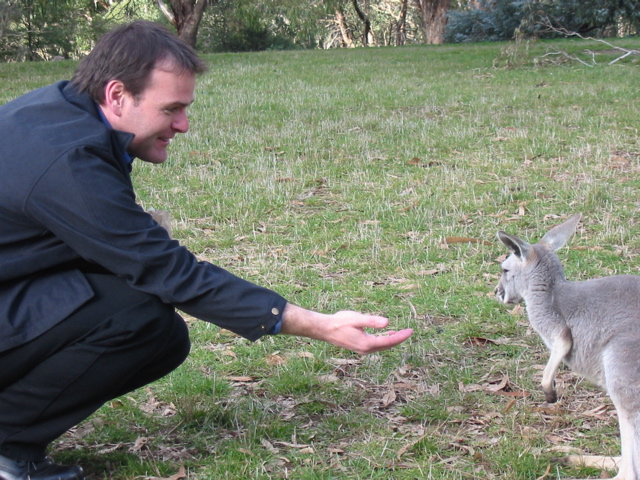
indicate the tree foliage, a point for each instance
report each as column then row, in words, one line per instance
column 245, row 25
column 491, row 20
column 488, row 20
column 594, row 17
column 44, row 29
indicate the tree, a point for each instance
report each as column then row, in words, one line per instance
column 9, row 14
column 345, row 33
column 401, row 24
column 185, row 16
column 433, row 14
column 367, row 36
column 43, row 29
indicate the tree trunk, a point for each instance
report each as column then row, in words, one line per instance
column 401, row 24
column 344, row 31
column 433, row 14
column 367, row 36
column 185, row 16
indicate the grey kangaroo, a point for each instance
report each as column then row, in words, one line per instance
column 593, row 326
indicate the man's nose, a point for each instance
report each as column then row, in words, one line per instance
column 181, row 123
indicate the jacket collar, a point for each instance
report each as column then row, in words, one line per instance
column 86, row 103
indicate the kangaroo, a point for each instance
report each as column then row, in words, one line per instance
column 593, row 326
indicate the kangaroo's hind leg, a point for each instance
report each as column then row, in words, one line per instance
column 629, row 461
column 621, row 378
column 623, row 464
column 623, row 386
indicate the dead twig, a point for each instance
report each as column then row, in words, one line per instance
column 546, row 22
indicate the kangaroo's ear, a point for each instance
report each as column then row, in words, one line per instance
column 515, row 244
column 557, row 237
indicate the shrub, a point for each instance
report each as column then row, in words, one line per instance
column 495, row 20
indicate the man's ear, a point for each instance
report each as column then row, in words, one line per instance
column 114, row 96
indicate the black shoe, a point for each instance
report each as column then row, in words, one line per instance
column 41, row 470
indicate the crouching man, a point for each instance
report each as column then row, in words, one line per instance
column 89, row 282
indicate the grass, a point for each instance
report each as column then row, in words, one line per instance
column 336, row 178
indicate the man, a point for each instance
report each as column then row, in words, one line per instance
column 89, row 282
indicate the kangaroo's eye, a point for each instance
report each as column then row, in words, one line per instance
column 505, row 271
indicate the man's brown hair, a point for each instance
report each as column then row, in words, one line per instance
column 129, row 53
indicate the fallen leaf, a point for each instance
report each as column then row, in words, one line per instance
column 430, row 273
column 109, row 449
column 275, row 360
column 181, row 474
column 521, row 210
column 521, row 393
column 510, row 405
column 546, row 473
column 229, row 353
column 291, row 445
column 139, row 444
column 346, row 361
column 240, row 379
column 269, row 446
column 303, row 354
column 331, row 378
column 389, row 398
column 450, row 240
column 408, row 447
column 553, row 409
column 504, row 381
column 480, row 341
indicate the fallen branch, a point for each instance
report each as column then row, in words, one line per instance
column 547, row 23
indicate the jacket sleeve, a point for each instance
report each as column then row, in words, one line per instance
column 88, row 204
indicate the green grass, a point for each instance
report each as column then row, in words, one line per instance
column 334, row 177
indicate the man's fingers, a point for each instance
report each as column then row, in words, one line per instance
column 395, row 338
column 360, row 320
column 378, row 343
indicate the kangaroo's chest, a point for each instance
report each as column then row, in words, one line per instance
column 588, row 343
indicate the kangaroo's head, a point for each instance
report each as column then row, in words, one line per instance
column 532, row 267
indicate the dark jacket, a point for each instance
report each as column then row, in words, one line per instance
column 67, row 206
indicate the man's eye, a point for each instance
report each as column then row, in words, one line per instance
column 174, row 109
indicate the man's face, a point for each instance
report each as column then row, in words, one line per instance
column 157, row 114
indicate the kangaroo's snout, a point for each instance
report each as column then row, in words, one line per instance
column 502, row 296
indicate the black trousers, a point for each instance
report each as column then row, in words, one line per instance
column 121, row 340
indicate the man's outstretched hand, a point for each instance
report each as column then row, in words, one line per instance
column 344, row 329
